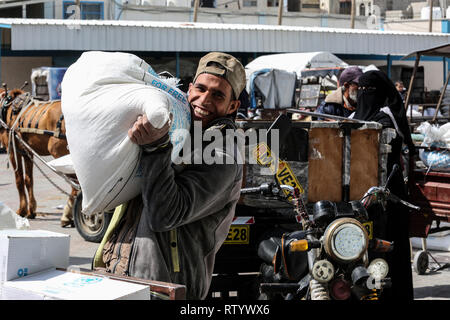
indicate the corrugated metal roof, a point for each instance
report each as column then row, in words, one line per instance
column 52, row 34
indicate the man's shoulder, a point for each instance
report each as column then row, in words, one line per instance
column 335, row 97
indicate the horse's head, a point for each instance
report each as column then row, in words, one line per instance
column 10, row 95
column 10, row 98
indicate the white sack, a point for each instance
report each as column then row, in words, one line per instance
column 102, row 95
column 433, row 243
column 11, row 220
column 63, row 164
column 435, row 136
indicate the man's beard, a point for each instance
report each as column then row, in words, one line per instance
column 353, row 95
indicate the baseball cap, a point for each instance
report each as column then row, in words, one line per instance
column 226, row 66
column 350, row 74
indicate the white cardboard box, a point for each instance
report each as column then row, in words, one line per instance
column 62, row 285
column 24, row 252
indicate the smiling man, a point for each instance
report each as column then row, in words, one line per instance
column 173, row 230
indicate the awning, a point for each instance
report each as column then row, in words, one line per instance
column 440, row 51
column 163, row 36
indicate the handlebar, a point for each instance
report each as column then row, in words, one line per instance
column 268, row 189
column 251, row 190
column 380, row 194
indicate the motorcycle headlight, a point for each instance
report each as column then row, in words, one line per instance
column 346, row 240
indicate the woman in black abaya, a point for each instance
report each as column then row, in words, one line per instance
column 379, row 101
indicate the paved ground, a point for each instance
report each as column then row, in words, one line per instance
column 431, row 286
column 50, row 203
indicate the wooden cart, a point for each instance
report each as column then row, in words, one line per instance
column 428, row 189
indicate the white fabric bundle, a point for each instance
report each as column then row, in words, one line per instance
column 102, row 95
column 435, row 136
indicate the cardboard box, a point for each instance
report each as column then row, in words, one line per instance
column 62, row 285
column 24, row 252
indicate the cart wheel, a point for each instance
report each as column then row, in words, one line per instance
column 91, row 228
column 421, row 262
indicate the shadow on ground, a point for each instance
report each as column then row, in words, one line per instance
column 78, row 261
column 438, row 291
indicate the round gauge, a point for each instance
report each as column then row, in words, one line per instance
column 378, row 268
column 346, row 240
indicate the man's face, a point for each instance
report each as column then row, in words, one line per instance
column 211, row 98
column 351, row 91
column 400, row 87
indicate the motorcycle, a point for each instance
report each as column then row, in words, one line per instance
column 334, row 255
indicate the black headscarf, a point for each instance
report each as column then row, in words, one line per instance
column 377, row 91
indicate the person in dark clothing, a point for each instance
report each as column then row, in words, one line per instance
column 401, row 89
column 379, row 101
column 342, row 101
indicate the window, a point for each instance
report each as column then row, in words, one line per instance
column 88, row 10
column 250, row 3
column 311, row 6
column 390, row 5
column 345, row 7
column 362, row 10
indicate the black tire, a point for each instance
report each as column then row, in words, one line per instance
column 421, row 262
column 92, row 229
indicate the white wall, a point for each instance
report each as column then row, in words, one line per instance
column 413, row 25
column 433, row 70
column 244, row 16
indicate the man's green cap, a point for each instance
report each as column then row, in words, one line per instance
column 226, row 66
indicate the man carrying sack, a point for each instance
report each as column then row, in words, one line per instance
column 173, row 230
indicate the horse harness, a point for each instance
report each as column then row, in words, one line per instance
column 25, row 105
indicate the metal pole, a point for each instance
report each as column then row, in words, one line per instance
column 352, row 15
column 430, row 26
column 389, row 65
column 440, row 99
column 196, row 4
column 177, row 62
column 280, row 11
column 408, row 95
column 323, row 115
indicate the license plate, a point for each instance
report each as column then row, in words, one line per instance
column 369, row 228
column 238, row 234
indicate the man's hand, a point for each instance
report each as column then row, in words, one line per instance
column 143, row 132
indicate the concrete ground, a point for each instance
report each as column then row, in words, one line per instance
column 50, row 202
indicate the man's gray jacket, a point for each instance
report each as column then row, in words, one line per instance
column 172, row 231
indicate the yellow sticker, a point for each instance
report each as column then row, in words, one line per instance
column 284, row 174
column 369, row 228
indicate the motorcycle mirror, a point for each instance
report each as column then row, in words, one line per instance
column 395, row 167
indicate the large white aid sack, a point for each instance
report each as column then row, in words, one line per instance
column 102, row 95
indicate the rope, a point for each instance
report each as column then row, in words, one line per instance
column 48, row 178
column 27, row 153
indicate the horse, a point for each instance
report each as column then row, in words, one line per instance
column 40, row 124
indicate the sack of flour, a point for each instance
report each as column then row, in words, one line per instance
column 102, row 95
